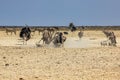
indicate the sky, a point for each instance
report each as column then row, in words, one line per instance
column 59, row 12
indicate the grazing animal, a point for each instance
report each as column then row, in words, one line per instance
column 10, row 30
column 25, row 34
column 80, row 34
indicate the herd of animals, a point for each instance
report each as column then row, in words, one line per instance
column 56, row 37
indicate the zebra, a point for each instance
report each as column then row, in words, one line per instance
column 59, row 39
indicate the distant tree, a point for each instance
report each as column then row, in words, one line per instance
column 72, row 27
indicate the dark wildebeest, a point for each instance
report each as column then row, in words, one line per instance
column 59, row 39
column 25, row 34
column 11, row 30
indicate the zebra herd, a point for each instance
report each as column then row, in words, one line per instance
column 48, row 35
column 56, row 37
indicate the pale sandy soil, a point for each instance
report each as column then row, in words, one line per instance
column 81, row 59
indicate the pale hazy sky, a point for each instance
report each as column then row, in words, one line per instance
column 59, row 12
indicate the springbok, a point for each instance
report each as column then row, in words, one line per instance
column 10, row 30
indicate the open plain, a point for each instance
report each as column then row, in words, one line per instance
column 79, row 59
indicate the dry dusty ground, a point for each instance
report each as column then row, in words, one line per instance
column 90, row 39
column 81, row 59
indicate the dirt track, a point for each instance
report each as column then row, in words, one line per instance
column 81, row 59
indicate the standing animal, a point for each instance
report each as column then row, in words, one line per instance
column 112, row 38
column 10, row 30
column 46, row 37
column 25, row 34
column 80, row 34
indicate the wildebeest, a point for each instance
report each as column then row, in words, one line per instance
column 80, row 34
column 10, row 30
column 25, row 34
